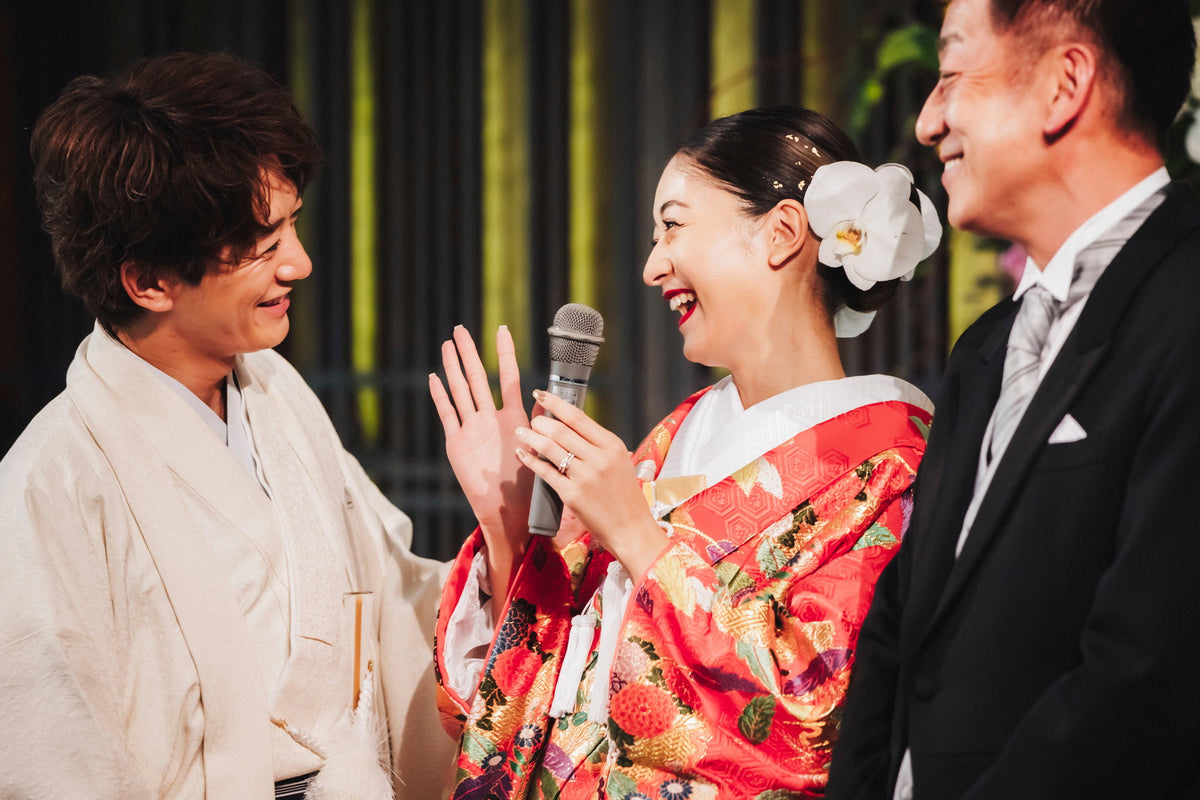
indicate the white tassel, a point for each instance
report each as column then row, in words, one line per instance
column 614, row 597
column 579, row 644
column 354, row 768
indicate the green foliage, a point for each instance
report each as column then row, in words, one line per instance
column 913, row 46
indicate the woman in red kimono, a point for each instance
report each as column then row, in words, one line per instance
column 692, row 635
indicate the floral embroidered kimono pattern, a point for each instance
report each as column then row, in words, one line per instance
column 735, row 650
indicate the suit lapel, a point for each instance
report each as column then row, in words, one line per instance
column 1082, row 353
column 947, row 475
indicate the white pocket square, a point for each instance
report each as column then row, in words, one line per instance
column 1068, row 431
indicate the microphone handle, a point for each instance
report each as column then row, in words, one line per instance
column 568, row 381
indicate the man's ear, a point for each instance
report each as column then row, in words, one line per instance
column 787, row 231
column 145, row 287
column 1073, row 71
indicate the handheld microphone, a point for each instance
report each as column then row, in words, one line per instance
column 575, row 339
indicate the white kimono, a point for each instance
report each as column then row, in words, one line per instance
column 164, row 623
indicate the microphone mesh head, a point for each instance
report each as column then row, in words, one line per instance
column 576, row 318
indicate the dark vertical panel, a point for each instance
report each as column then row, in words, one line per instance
column 328, row 288
column 404, row 281
column 669, row 94
column 10, row 249
column 47, row 52
column 781, row 62
column 429, row 248
column 623, row 291
column 549, row 127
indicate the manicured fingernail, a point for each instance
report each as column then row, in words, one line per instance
column 539, row 395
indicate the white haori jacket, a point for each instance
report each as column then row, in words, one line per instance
column 164, row 622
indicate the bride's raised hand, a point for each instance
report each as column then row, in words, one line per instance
column 481, row 441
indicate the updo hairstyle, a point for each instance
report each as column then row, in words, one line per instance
column 765, row 155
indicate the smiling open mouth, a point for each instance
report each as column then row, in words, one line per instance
column 683, row 302
column 275, row 302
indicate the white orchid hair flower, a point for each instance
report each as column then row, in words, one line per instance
column 873, row 223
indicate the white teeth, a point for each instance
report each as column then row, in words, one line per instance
column 953, row 162
column 680, row 300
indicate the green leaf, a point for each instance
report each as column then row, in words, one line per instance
column 732, row 577
column 647, row 648
column 876, row 535
column 550, row 787
column 476, row 747
column 755, row 720
column 771, row 558
column 778, row 794
column 620, row 785
column 759, row 659
column 490, row 691
column 915, row 44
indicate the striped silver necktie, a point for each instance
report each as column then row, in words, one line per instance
column 1023, row 360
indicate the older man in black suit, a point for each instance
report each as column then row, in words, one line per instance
column 1038, row 635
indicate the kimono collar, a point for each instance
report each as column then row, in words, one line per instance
column 235, row 434
column 717, row 436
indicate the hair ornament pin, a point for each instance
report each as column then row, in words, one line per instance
column 873, row 223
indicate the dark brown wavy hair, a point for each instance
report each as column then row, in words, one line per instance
column 163, row 166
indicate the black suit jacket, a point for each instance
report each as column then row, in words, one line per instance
column 1059, row 655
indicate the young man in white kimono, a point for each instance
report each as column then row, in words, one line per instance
column 203, row 595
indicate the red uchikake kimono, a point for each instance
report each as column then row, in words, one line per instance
column 735, row 650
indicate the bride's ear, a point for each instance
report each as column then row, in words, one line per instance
column 787, row 231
